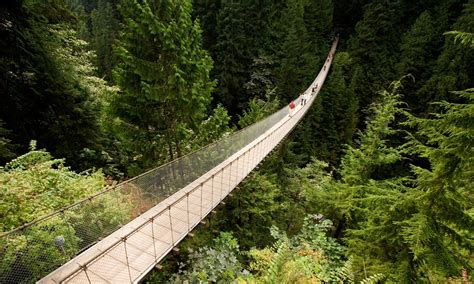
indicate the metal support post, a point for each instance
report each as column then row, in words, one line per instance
column 171, row 225
column 187, row 209
column 124, row 239
column 153, row 236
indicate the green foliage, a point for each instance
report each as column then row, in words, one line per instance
column 262, row 79
column 310, row 256
column 217, row 263
column 104, row 33
column 295, row 60
column 408, row 227
column 462, row 37
column 362, row 202
column 417, row 47
column 443, row 210
column 318, row 17
column 162, row 78
column 373, row 46
column 241, row 28
column 46, row 74
column 259, row 109
column 252, row 210
column 376, row 278
column 404, row 213
column 451, row 70
column 212, row 128
column 34, row 184
column 359, row 164
column 6, row 147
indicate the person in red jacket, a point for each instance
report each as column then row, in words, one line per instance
column 291, row 107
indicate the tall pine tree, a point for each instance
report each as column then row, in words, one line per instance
column 164, row 76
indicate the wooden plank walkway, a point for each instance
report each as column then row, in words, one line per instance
column 129, row 253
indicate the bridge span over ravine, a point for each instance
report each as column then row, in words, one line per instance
column 168, row 202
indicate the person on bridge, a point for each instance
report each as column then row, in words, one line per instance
column 324, row 67
column 291, row 107
column 303, row 98
column 315, row 88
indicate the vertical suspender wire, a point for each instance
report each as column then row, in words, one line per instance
column 171, row 225
column 212, row 193
column 237, row 172
column 201, row 200
column 246, row 164
column 187, row 209
column 222, row 183
column 124, row 239
column 230, row 178
column 249, row 161
column 87, row 275
column 153, row 236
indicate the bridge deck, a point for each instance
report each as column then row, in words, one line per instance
column 129, row 253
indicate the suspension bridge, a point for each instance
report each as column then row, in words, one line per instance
column 120, row 234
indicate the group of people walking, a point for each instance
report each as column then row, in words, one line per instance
column 303, row 99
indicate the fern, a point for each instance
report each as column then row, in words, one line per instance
column 464, row 38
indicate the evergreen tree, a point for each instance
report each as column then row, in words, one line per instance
column 364, row 201
column 417, row 56
column 452, row 70
column 104, row 32
column 294, row 59
column 43, row 97
column 241, row 32
column 318, row 17
column 373, row 47
column 164, row 76
column 417, row 47
column 440, row 230
column 206, row 11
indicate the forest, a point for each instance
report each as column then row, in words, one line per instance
column 374, row 185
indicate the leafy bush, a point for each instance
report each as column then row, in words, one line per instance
column 218, row 263
column 34, row 185
column 310, row 256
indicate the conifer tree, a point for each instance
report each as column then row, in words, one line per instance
column 104, row 32
column 241, row 29
column 318, row 17
column 364, row 202
column 440, row 230
column 373, row 47
column 292, row 73
column 417, row 47
column 206, row 11
column 43, row 97
column 164, row 76
column 452, row 70
column 417, row 56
